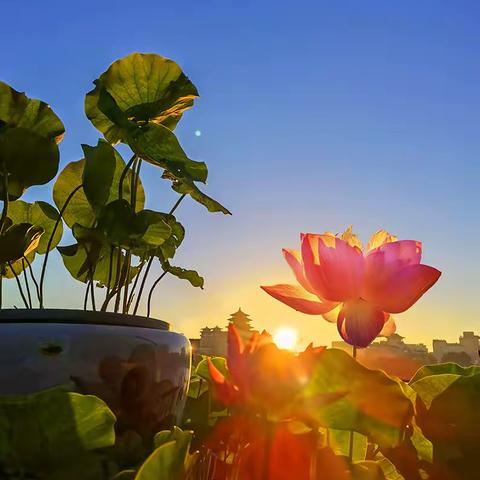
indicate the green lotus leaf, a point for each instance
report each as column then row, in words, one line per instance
column 339, row 442
column 389, row 470
column 169, row 247
column 202, row 368
column 169, row 460
column 176, row 434
column 117, row 123
column 142, row 88
column 429, row 387
column 189, row 188
column 99, row 261
column 98, row 173
column 157, row 231
column 92, row 241
column 50, row 430
column 451, row 422
column 163, row 249
column 29, row 133
column 15, row 188
column 414, row 446
column 159, row 146
column 372, row 403
column 367, row 470
column 120, row 225
column 190, row 275
column 144, row 231
column 197, row 387
column 76, row 261
column 40, row 214
column 17, row 110
column 16, row 267
column 18, row 241
column 444, row 368
column 79, row 209
column 27, row 158
column 125, row 475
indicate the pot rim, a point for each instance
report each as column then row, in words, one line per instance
column 85, row 317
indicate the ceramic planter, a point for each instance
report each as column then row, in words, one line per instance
column 135, row 364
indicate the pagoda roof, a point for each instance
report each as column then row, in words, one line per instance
column 240, row 319
column 239, row 312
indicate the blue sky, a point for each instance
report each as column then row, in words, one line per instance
column 314, row 115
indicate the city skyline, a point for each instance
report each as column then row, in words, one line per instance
column 302, row 342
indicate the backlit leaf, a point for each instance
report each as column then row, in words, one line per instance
column 202, row 367
column 52, row 429
column 168, row 460
column 143, row 88
column 17, row 110
column 444, row 368
column 98, row 172
column 79, row 210
column 28, row 158
column 190, row 275
column 189, row 188
column 39, row 214
column 18, row 241
column 373, row 404
column 159, row 146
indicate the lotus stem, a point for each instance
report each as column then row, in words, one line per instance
column 123, row 175
column 350, row 449
column 110, row 268
column 113, row 291
column 142, row 285
column 135, row 180
column 5, row 196
column 34, row 280
column 178, row 202
column 19, row 285
column 132, row 291
column 4, row 215
column 118, row 285
column 26, row 283
column 85, row 297
column 128, row 259
column 50, row 240
column 92, row 294
column 150, row 293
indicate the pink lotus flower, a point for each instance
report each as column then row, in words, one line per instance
column 357, row 290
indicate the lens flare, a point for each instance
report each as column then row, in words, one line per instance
column 286, row 338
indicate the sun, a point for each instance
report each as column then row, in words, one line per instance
column 286, row 338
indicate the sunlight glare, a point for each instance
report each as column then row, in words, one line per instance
column 286, row 338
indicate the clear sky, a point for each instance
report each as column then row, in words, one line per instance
column 313, row 115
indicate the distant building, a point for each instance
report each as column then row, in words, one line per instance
column 465, row 352
column 213, row 341
column 392, row 355
column 242, row 322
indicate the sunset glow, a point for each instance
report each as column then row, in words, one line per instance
column 286, row 338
